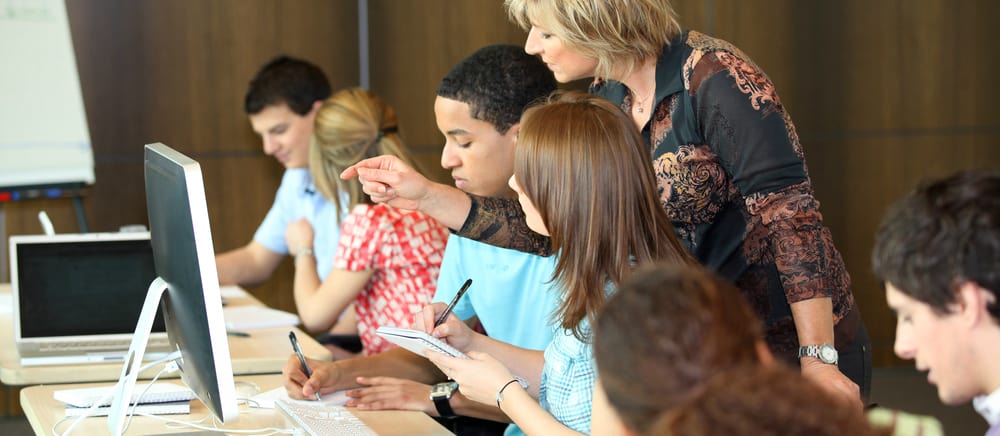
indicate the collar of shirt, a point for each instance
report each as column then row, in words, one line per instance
column 669, row 74
column 989, row 406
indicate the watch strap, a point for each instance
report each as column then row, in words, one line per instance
column 441, row 403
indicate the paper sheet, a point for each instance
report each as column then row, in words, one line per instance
column 266, row 400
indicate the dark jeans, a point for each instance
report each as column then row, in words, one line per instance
column 350, row 343
column 855, row 362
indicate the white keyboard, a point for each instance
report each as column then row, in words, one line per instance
column 323, row 420
column 121, row 345
column 158, row 393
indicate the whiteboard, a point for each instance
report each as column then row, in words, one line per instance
column 43, row 125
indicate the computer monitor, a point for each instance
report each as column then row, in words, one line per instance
column 186, row 289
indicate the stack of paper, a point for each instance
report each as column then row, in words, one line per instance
column 160, row 399
column 257, row 317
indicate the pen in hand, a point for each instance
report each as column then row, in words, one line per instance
column 302, row 359
column 451, row 305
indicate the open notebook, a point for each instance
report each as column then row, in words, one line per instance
column 77, row 297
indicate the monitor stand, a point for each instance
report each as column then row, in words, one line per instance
column 134, row 358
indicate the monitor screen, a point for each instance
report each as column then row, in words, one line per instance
column 188, row 282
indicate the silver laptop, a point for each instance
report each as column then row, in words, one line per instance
column 77, row 297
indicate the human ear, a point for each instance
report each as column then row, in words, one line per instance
column 972, row 301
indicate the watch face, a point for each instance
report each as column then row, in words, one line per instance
column 828, row 354
column 444, row 390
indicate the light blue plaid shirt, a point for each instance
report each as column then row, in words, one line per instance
column 568, row 378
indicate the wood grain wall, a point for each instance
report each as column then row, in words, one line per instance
column 883, row 94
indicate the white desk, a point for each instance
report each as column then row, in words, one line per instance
column 43, row 411
column 264, row 352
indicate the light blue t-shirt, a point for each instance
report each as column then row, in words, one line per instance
column 510, row 293
column 296, row 198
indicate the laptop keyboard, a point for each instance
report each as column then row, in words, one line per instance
column 323, row 420
column 97, row 345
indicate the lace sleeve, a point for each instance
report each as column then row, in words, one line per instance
column 501, row 222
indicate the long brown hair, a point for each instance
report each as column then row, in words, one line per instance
column 667, row 331
column 583, row 164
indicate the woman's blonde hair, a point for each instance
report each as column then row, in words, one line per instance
column 618, row 34
column 351, row 125
column 582, row 163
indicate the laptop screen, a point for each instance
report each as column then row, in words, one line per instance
column 81, row 288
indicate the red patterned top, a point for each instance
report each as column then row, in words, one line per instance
column 405, row 249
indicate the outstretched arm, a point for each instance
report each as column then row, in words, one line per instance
column 388, row 180
column 496, row 221
column 343, row 374
column 391, row 393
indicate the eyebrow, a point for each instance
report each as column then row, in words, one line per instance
column 454, row 132
column 277, row 127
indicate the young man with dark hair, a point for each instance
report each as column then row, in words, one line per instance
column 937, row 253
column 281, row 102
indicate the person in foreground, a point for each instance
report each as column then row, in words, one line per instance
column 670, row 331
column 478, row 109
column 729, row 166
column 760, row 400
column 937, row 253
column 661, row 337
column 387, row 260
column 601, row 229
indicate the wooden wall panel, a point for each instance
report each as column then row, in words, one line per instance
column 176, row 72
column 883, row 94
column 856, row 192
column 414, row 43
column 862, row 66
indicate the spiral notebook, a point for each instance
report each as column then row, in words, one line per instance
column 417, row 341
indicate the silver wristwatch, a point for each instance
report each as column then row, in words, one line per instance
column 825, row 352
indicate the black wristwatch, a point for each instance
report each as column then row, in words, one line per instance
column 440, row 394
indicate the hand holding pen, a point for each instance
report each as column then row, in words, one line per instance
column 302, row 359
column 451, row 305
